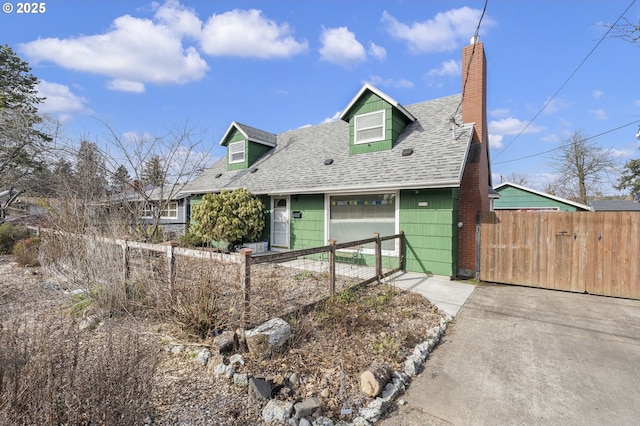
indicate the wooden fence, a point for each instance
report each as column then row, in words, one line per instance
column 586, row 252
column 169, row 265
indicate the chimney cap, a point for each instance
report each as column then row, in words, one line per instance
column 475, row 39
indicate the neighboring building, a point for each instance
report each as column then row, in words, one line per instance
column 615, row 206
column 383, row 167
column 174, row 217
column 518, row 197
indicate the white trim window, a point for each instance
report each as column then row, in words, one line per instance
column 147, row 211
column 358, row 216
column 236, row 152
column 369, row 127
column 170, row 211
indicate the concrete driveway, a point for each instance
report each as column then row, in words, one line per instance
column 525, row 356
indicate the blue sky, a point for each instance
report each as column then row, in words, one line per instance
column 143, row 66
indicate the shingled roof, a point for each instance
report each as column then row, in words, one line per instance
column 296, row 165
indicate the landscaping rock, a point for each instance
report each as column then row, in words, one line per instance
column 236, row 359
column 225, row 342
column 203, row 357
column 268, row 337
column 277, row 411
column 323, row 421
column 240, row 380
column 306, row 407
column 260, row 388
column 360, row 421
column 375, row 409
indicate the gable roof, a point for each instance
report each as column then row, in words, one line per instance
column 543, row 194
column 251, row 134
column 296, row 164
column 615, row 205
column 384, row 96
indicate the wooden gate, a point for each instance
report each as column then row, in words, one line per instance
column 592, row 252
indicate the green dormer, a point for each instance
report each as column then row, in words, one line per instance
column 375, row 120
column 245, row 144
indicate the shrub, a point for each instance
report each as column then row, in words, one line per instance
column 26, row 252
column 231, row 216
column 10, row 235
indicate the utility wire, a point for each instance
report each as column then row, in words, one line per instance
column 565, row 145
column 473, row 51
column 565, row 82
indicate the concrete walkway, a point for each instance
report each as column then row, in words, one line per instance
column 447, row 295
column 527, row 356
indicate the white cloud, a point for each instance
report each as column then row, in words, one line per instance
column 60, row 101
column 334, row 117
column 126, row 86
column 340, row 47
column 599, row 114
column 499, row 112
column 495, row 141
column 445, row 32
column 134, row 51
column 181, row 20
column 597, row 94
column 621, row 153
column 553, row 138
column 448, row 68
column 247, row 33
column 389, row 82
column 378, row 52
column 552, row 106
column 512, row 126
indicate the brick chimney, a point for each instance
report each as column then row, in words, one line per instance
column 474, row 188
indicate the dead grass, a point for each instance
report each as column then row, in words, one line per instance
column 331, row 345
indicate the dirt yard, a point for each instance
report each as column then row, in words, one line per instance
column 330, row 347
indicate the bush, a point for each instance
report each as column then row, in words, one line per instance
column 26, row 252
column 231, row 216
column 10, row 235
column 191, row 240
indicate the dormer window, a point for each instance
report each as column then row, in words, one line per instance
column 236, row 152
column 369, row 127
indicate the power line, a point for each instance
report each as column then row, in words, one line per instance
column 473, row 51
column 566, row 81
column 565, row 145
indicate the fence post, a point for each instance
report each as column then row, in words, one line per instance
column 376, row 235
column 171, row 266
column 401, row 252
column 245, row 276
column 332, row 267
column 125, row 259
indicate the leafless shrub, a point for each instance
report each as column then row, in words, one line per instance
column 50, row 373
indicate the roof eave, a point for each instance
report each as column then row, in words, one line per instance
column 381, row 94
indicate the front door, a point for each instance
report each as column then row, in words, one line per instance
column 280, row 223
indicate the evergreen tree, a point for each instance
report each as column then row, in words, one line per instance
column 153, row 172
column 90, row 173
column 120, row 179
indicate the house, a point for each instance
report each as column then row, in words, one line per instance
column 615, row 206
column 518, row 197
column 383, row 167
column 165, row 206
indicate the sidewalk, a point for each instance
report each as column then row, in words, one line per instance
column 447, row 295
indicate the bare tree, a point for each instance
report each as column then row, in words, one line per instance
column 583, row 167
column 514, row 177
column 177, row 156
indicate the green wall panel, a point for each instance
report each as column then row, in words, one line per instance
column 515, row 198
column 430, row 230
column 307, row 231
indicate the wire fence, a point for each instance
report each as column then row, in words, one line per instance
column 240, row 289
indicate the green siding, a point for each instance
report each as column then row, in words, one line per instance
column 266, row 204
column 431, row 231
column 516, row 198
column 370, row 102
column 307, row 231
column 252, row 150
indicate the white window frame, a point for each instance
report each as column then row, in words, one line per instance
column 327, row 219
column 147, row 211
column 357, row 129
column 170, row 211
column 234, row 145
